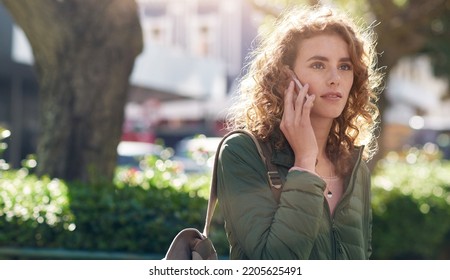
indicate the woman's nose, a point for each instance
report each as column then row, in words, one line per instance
column 333, row 77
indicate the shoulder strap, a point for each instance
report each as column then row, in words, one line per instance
column 265, row 152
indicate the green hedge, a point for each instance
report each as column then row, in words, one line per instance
column 141, row 212
column 411, row 206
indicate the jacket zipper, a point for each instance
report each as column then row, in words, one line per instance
column 335, row 243
column 332, row 235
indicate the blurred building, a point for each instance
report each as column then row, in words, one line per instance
column 418, row 112
column 18, row 91
column 193, row 52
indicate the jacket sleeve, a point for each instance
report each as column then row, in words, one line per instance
column 262, row 228
column 369, row 239
column 368, row 209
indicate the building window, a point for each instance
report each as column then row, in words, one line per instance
column 204, row 36
column 157, row 31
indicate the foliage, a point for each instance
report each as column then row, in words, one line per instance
column 437, row 45
column 4, row 133
column 411, row 206
column 141, row 213
column 359, row 10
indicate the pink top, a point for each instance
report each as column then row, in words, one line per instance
column 335, row 185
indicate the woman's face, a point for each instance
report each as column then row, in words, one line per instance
column 323, row 62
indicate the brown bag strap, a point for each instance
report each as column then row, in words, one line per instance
column 273, row 175
column 265, row 152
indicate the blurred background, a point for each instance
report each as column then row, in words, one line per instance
column 111, row 111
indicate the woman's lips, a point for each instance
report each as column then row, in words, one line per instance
column 331, row 96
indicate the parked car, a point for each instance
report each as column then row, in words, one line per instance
column 130, row 153
column 196, row 154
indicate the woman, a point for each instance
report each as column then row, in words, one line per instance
column 321, row 133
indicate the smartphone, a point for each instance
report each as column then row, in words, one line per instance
column 296, row 81
column 294, row 77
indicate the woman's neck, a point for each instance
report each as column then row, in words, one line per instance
column 321, row 127
column 324, row 166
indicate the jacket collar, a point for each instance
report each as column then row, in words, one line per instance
column 284, row 156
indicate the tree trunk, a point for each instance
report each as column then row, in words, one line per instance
column 84, row 53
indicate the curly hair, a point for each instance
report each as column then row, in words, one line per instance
column 259, row 107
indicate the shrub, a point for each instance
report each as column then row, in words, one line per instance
column 140, row 213
column 411, row 206
column 4, row 133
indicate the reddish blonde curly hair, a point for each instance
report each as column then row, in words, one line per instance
column 260, row 104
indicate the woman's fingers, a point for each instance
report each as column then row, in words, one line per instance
column 288, row 99
column 302, row 93
column 309, row 103
column 301, row 100
column 293, row 105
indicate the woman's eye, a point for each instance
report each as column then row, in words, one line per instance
column 317, row 65
column 345, row 67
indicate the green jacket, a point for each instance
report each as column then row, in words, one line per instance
column 300, row 226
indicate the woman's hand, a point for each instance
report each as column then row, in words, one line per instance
column 296, row 126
